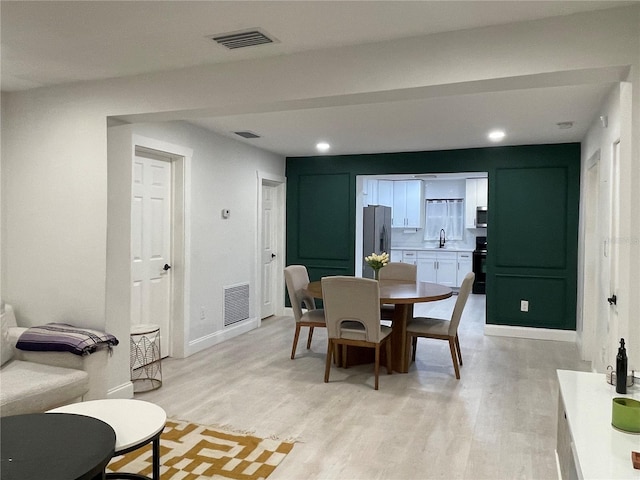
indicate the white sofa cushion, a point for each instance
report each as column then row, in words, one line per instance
column 7, row 320
column 27, row 387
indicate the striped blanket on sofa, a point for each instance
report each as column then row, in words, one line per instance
column 62, row 337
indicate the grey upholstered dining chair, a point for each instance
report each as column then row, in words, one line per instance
column 396, row 271
column 443, row 329
column 296, row 278
column 352, row 310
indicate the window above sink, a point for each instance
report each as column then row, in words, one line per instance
column 444, row 214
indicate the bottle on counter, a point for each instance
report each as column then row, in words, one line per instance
column 621, row 368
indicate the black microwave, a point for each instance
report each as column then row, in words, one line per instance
column 482, row 217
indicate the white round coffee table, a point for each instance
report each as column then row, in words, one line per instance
column 135, row 422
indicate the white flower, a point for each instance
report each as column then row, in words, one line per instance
column 377, row 261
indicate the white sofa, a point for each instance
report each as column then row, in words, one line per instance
column 32, row 382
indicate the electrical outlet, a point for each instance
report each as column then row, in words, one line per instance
column 524, row 305
column 202, row 314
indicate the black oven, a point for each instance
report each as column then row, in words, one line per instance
column 480, row 265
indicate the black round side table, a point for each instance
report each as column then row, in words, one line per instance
column 54, row 446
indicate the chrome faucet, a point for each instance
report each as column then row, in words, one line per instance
column 442, row 239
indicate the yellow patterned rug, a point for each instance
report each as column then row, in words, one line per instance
column 195, row 452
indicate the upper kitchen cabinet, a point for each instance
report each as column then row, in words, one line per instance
column 385, row 193
column 408, row 203
column 378, row 192
column 476, row 196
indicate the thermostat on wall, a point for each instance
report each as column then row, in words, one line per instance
column 226, row 213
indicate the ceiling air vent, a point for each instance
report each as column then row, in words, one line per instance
column 247, row 134
column 246, row 38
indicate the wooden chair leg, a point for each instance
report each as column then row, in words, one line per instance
column 309, row 338
column 388, row 347
column 295, row 341
column 452, row 347
column 458, row 348
column 377, row 365
column 327, row 368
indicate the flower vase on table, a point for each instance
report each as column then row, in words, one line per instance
column 376, row 262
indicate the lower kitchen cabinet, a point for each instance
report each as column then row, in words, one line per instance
column 409, row 256
column 445, row 268
column 438, row 267
column 395, row 256
column 465, row 265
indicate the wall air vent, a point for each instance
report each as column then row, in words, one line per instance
column 247, row 134
column 236, row 303
column 245, row 38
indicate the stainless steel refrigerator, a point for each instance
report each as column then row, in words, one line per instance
column 376, row 238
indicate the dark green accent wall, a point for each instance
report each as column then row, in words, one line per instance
column 533, row 221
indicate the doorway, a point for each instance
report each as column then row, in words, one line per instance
column 151, row 250
column 600, row 310
column 159, row 245
column 271, row 240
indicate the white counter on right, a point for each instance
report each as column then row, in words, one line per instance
column 588, row 445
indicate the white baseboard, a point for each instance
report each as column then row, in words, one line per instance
column 202, row 343
column 530, row 332
column 288, row 312
column 121, row 391
column 558, row 465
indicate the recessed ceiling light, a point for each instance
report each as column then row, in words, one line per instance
column 496, row 135
column 322, row 146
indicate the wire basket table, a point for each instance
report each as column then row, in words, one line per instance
column 146, row 358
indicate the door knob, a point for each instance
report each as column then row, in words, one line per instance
column 166, row 267
column 273, row 255
column 613, row 300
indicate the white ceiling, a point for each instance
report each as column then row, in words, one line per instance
column 50, row 42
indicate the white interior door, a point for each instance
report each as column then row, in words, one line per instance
column 614, row 248
column 608, row 204
column 151, row 245
column 269, row 250
column 592, row 259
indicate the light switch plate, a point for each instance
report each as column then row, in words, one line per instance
column 524, row 305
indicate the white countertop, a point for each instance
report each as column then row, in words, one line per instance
column 602, row 452
column 434, row 249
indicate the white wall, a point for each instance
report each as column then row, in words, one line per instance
column 600, row 337
column 223, row 175
column 218, row 173
column 54, row 140
column 592, row 320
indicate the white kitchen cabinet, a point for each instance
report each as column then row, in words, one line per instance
column 476, row 195
column 427, row 267
column 482, row 192
column 370, row 192
column 409, row 256
column 447, row 268
column 438, row 267
column 395, row 256
column 378, row 192
column 408, row 201
column 465, row 265
column 385, row 193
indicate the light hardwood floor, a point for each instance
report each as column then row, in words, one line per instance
column 497, row 422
